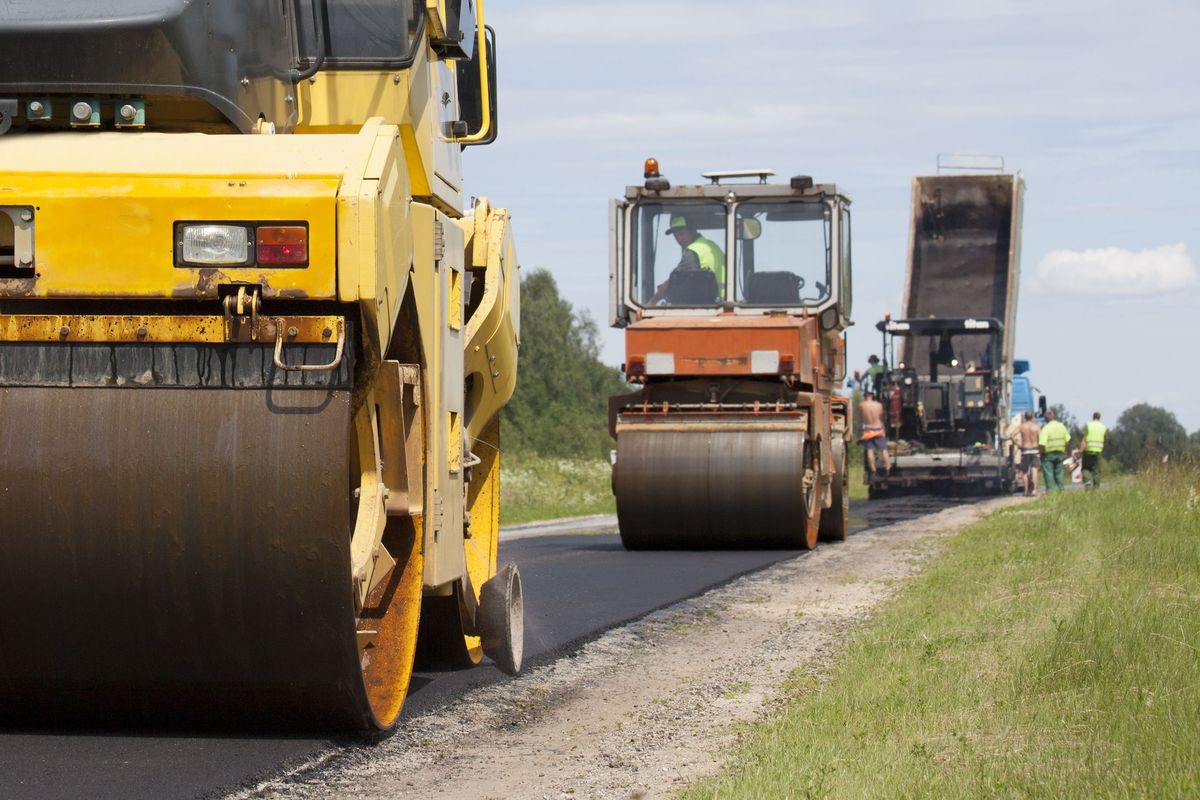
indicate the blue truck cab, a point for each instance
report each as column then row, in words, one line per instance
column 1024, row 396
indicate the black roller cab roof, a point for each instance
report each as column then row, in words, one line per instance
column 235, row 56
column 218, row 63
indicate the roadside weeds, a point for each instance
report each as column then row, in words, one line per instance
column 534, row 487
column 1051, row 651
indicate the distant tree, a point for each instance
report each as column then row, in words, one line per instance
column 1194, row 446
column 560, row 407
column 1145, row 431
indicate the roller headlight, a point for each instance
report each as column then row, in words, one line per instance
column 211, row 245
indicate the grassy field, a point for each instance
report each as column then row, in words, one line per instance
column 536, row 487
column 1053, row 650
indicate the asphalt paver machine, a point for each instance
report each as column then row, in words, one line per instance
column 947, row 388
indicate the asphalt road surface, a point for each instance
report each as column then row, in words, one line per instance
column 577, row 585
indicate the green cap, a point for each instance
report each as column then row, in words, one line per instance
column 678, row 221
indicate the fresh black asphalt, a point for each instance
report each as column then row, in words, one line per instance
column 576, row 587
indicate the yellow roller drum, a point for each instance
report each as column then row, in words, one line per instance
column 177, row 551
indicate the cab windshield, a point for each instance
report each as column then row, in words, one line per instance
column 782, row 254
column 679, row 254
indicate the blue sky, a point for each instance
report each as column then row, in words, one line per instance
column 1096, row 103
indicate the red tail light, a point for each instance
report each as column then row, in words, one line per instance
column 282, row 245
column 787, row 364
column 636, row 366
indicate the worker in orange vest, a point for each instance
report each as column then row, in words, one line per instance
column 874, row 436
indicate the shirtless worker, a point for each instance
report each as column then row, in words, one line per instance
column 874, row 437
column 1030, row 460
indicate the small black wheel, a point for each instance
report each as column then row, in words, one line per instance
column 501, row 619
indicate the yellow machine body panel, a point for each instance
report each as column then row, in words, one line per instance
column 420, row 101
column 105, row 207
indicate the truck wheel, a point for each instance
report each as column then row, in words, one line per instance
column 812, row 494
column 835, row 520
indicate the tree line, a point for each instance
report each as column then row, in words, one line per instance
column 1143, row 432
column 560, row 408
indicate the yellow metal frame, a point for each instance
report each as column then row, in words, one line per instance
column 164, row 329
column 485, row 97
column 493, row 332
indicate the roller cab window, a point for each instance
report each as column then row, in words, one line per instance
column 679, row 254
column 784, row 253
column 363, row 33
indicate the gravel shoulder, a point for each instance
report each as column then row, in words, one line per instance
column 650, row 706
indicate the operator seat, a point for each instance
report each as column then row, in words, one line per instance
column 692, row 287
column 774, row 288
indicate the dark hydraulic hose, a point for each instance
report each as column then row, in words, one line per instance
column 319, row 14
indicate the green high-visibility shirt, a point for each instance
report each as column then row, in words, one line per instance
column 711, row 258
column 1094, row 434
column 1054, row 437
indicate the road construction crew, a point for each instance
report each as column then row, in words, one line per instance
column 1094, row 437
column 1052, row 441
column 698, row 252
column 874, row 437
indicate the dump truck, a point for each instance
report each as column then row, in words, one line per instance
column 949, row 370
column 733, row 296
column 254, row 341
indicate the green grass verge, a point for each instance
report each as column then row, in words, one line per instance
column 535, row 487
column 858, row 481
column 1053, row 650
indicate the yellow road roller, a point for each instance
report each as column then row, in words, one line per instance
column 733, row 295
column 254, row 342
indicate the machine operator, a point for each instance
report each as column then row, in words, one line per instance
column 698, row 251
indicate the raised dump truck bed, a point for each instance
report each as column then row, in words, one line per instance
column 947, row 389
column 964, row 246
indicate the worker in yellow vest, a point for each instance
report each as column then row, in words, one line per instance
column 1052, row 442
column 1094, row 437
column 698, row 252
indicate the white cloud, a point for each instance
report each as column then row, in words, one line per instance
column 1114, row 271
